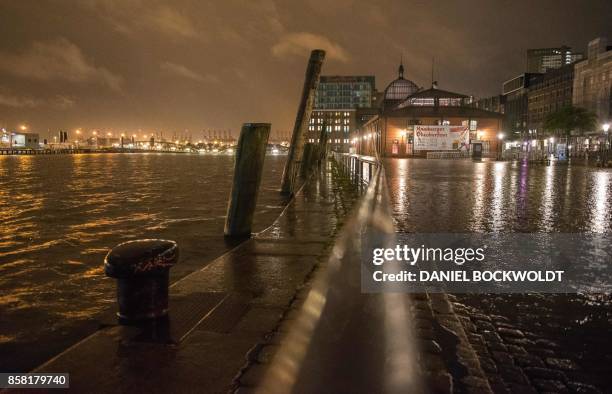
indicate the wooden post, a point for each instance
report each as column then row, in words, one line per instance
column 296, row 150
column 250, row 155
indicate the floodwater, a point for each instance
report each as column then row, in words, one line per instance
column 442, row 196
column 60, row 214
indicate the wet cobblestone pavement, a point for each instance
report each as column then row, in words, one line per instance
column 525, row 342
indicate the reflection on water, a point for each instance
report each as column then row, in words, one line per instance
column 60, row 215
column 465, row 196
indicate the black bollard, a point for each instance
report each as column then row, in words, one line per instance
column 142, row 271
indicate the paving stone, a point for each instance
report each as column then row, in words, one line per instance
column 488, row 365
column 484, row 325
column 519, row 341
column 542, row 352
column 481, row 350
column 497, row 346
column 510, row 332
column 582, row 388
column 516, row 350
column 496, row 383
column 481, row 317
column 562, row 363
column 500, row 319
column 545, row 343
column 552, row 386
column 502, row 358
column 491, row 336
column 513, row 374
column 476, row 385
column 544, row 373
column 528, row 360
column 521, row 389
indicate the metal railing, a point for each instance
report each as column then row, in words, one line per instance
column 361, row 168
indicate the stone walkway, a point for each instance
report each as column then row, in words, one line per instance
column 516, row 360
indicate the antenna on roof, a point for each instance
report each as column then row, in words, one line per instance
column 400, row 71
column 433, row 83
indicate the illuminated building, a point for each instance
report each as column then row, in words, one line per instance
column 547, row 94
column 593, row 80
column 516, row 110
column 336, row 101
column 542, row 60
column 412, row 122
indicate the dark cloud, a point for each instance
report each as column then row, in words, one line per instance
column 195, row 64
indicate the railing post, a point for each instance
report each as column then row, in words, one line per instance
column 250, row 155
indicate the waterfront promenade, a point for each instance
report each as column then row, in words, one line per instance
column 284, row 311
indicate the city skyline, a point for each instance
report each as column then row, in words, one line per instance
column 103, row 64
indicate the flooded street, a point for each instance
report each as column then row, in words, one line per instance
column 438, row 196
column 62, row 213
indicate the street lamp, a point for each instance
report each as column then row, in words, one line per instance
column 606, row 128
column 500, row 137
column 403, row 135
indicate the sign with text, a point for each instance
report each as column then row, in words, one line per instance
column 441, row 137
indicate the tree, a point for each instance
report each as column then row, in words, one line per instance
column 568, row 119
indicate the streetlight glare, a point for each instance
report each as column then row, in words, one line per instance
column 606, row 127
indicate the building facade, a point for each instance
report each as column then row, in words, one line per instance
column 493, row 103
column 541, row 60
column 516, row 111
column 19, row 140
column 593, row 80
column 431, row 120
column 336, row 102
column 548, row 93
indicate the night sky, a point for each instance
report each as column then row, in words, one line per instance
column 191, row 64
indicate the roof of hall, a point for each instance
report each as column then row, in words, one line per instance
column 440, row 111
column 399, row 89
column 435, row 92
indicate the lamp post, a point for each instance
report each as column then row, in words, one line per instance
column 500, row 137
column 606, row 129
column 402, row 145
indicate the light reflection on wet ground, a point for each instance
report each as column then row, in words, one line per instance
column 439, row 196
column 60, row 215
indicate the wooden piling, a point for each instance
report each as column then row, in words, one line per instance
column 249, row 160
column 296, row 150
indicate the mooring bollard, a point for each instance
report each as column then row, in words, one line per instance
column 142, row 271
column 250, row 155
